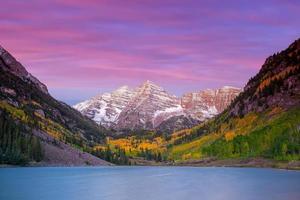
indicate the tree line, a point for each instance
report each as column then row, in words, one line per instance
column 17, row 147
column 151, row 155
column 118, row 156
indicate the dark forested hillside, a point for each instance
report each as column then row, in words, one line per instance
column 16, row 145
column 25, row 105
column 276, row 84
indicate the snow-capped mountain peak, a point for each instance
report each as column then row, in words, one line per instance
column 140, row 111
column 148, row 105
column 122, row 89
column 105, row 108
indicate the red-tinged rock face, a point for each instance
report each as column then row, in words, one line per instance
column 141, row 111
column 149, row 105
column 220, row 98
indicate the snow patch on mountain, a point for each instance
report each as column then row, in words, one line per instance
column 210, row 112
column 176, row 109
column 105, row 109
column 148, row 105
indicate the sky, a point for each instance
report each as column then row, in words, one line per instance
column 83, row 48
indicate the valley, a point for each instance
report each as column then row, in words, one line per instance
column 256, row 126
column 259, row 128
column 149, row 100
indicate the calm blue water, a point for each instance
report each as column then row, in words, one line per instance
column 145, row 183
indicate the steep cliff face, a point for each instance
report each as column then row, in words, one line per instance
column 143, row 107
column 149, row 105
column 105, row 109
column 195, row 108
column 208, row 103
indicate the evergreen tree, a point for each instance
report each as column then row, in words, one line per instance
column 17, row 147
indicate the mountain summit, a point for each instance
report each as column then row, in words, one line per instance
column 150, row 106
column 106, row 108
column 142, row 109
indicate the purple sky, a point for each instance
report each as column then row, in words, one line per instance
column 81, row 48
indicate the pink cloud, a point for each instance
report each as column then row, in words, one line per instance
column 184, row 45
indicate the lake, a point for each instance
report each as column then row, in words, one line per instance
column 145, row 183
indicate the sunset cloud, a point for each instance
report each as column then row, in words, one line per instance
column 92, row 46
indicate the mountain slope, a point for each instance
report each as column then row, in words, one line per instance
column 105, row 109
column 263, row 121
column 208, row 103
column 30, row 112
column 143, row 107
column 151, row 107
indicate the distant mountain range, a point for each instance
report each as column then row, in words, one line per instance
column 149, row 106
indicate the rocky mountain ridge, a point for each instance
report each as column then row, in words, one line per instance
column 9, row 63
column 149, row 105
column 277, row 84
column 107, row 107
